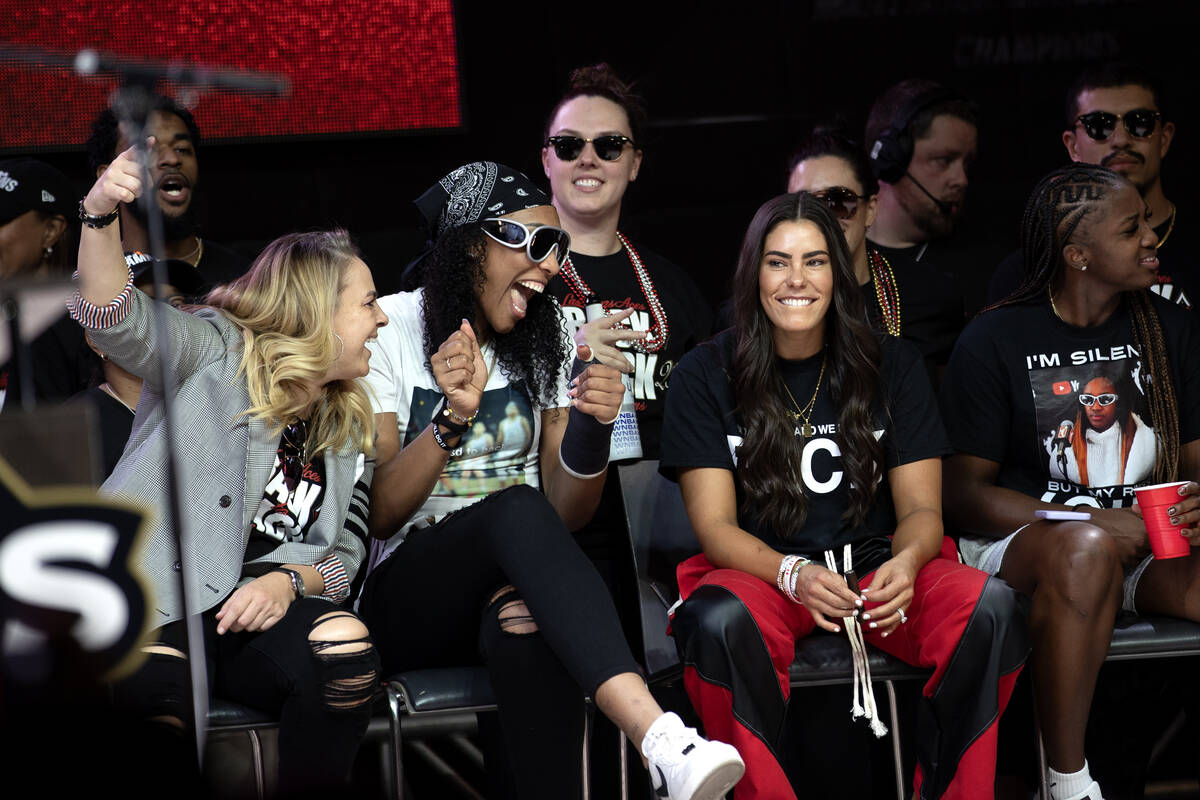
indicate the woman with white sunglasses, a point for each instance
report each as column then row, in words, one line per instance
column 472, row 559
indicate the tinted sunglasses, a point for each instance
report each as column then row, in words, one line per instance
column 1100, row 125
column 841, row 201
column 1103, row 399
column 608, row 147
column 538, row 242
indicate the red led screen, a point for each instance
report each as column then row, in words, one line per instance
column 354, row 65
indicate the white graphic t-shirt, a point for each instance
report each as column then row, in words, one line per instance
column 500, row 449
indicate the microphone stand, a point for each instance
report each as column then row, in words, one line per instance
column 132, row 105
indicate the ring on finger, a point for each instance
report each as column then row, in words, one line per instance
column 903, row 618
column 448, row 364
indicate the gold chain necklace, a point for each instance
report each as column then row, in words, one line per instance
column 1170, row 228
column 1054, row 308
column 805, row 414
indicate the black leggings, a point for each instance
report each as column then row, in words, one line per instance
column 428, row 606
column 323, row 699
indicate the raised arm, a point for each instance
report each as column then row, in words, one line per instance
column 102, row 270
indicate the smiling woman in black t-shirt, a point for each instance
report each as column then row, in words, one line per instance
column 802, row 434
column 1025, row 399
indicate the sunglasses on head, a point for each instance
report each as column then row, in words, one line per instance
column 1100, row 125
column 1106, row 399
column 538, row 242
column 841, row 201
column 608, row 147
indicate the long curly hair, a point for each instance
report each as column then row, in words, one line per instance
column 285, row 304
column 531, row 355
column 769, row 457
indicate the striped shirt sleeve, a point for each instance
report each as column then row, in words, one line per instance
column 337, row 582
column 93, row 316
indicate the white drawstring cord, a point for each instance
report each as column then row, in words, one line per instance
column 864, row 691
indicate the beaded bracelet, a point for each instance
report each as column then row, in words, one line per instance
column 785, row 567
column 801, row 563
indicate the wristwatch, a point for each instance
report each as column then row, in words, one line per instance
column 297, row 580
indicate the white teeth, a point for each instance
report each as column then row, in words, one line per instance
column 796, row 301
column 587, row 183
column 533, row 285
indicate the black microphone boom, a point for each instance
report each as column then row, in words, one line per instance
column 91, row 62
column 942, row 205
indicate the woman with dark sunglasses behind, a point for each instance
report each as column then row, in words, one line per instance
column 808, row 449
column 591, row 153
column 473, row 559
column 835, row 170
column 1064, row 396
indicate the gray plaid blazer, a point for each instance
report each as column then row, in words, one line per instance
column 224, row 461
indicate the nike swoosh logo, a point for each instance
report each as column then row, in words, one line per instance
column 661, row 790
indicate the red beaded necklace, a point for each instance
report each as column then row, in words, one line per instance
column 885, row 290
column 658, row 333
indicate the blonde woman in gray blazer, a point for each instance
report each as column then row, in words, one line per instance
column 275, row 451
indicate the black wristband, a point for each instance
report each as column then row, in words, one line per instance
column 98, row 220
column 585, row 445
column 441, row 440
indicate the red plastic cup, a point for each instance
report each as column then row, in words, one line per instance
column 1165, row 539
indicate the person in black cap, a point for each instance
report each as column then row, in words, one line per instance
column 472, row 555
column 38, row 234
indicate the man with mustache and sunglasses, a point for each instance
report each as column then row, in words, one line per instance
column 1115, row 118
column 922, row 139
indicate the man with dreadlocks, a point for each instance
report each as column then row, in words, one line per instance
column 1009, row 398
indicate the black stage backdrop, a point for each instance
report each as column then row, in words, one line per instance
column 731, row 87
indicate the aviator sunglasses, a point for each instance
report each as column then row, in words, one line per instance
column 1139, row 123
column 608, row 147
column 841, row 201
column 1106, row 399
column 538, row 242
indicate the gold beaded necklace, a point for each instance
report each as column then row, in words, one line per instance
column 805, row 414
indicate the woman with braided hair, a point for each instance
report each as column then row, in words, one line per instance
column 1080, row 332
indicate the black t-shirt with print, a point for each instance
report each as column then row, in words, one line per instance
column 286, row 512
column 689, row 320
column 931, row 302
column 701, row 429
column 1035, row 395
column 1178, row 266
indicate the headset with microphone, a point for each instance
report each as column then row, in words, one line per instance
column 892, row 150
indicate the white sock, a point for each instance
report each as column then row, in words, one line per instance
column 1072, row 785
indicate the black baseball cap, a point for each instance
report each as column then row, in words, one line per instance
column 27, row 184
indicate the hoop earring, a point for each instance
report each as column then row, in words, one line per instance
column 341, row 349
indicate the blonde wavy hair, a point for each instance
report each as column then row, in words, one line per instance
column 285, row 305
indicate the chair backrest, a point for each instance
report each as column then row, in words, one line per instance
column 661, row 537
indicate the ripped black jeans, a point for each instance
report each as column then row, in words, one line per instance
column 304, row 668
column 437, row 602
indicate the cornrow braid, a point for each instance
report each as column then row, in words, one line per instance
column 1059, row 204
column 1160, row 389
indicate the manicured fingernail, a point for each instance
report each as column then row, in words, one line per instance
column 872, row 625
column 1171, row 510
column 866, row 615
column 836, row 629
column 858, row 601
column 1174, row 520
column 885, row 633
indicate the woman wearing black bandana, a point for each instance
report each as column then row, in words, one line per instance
column 471, row 560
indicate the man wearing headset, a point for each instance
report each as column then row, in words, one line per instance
column 1116, row 117
column 921, row 139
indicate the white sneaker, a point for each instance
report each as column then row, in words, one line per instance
column 1092, row 792
column 686, row 766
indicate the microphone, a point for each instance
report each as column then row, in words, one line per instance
column 942, row 205
column 1064, row 435
column 91, row 62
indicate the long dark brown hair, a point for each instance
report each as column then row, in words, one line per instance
column 1057, row 214
column 769, row 456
